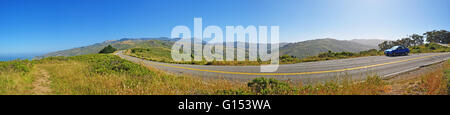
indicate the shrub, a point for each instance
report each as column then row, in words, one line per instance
column 265, row 86
column 17, row 66
column 105, row 64
column 108, row 49
column 285, row 58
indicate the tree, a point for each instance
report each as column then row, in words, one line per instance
column 446, row 37
column 418, row 39
column 430, row 36
column 441, row 36
column 108, row 49
column 405, row 42
column 383, row 45
column 388, row 44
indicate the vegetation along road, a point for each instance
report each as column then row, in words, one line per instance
column 360, row 67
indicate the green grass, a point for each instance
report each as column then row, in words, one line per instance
column 154, row 54
column 335, row 55
column 121, row 45
column 16, row 77
column 429, row 48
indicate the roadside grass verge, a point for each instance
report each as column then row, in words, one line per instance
column 432, row 83
column 430, row 80
column 435, row 82
column 429, row 48
column 372, row 85
column 447, row 76
column 338, row 55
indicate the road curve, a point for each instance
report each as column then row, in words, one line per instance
column 306, row 72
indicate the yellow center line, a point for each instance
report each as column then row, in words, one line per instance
column 299, row 73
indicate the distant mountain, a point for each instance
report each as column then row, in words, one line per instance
column 121, row 44
column 314, row 47
column 369, row 42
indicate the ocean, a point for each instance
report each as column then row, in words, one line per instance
column 21, row 57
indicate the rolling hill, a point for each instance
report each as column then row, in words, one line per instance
column 125, row 43
column 314, row 47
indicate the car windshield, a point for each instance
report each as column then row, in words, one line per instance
column 395, row 47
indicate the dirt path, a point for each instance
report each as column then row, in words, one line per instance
column 41, row 83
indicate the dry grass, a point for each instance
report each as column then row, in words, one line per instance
column 425, row 81
column 372, row 85
column 74, row 78
column 15, row 83
column 433, row 83
column 16, row 78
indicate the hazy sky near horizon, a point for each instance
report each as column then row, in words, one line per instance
column 42, row 26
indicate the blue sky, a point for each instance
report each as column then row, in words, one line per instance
column 42, row 26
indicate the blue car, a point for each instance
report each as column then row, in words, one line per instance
column 397, row 50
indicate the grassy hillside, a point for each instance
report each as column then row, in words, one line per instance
column 429, row 48
column 314, row 47
column 119, row 44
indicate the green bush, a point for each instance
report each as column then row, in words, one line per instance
column 17, row 66
column 265, row 86
column 429, row 48
column 285, row 58
column 105, row 64
column 108, row 49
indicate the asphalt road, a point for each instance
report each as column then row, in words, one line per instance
column 307, row 72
